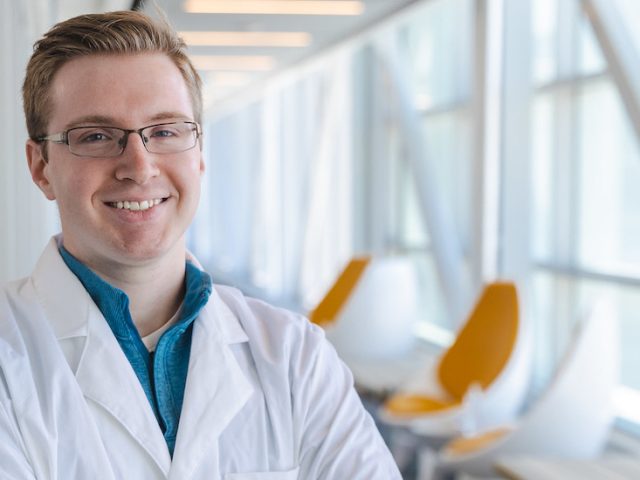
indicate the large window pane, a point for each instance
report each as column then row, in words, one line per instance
column 586, row 200
column 436, row 45
column 542, row 156
column 448, row 137
column 562, row 301
column 608, row 180
column 544, row 20
column 564, row 45
column 629, row 13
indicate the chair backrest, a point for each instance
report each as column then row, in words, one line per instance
column 327, row 310
column 573, row 416
column 371, row 309
column 485, row 343
column 571, row 419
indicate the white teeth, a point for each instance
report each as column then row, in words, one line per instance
column 137, row 206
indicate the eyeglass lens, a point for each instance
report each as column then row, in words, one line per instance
column 111, row 141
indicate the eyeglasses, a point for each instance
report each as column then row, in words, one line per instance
column 105, row 142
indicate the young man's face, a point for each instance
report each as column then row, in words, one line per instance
column 129, row 92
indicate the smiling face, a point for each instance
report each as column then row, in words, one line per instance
column 162, row 190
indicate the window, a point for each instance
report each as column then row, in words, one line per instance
column 324, row 164
column 586, row 169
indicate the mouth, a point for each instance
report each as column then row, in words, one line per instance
column 137, row 206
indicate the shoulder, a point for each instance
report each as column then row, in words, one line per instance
column 254, row 313
column 272, row 331
column 28, row 344
column 21, row 344
column 13, row 293
column 17, row 303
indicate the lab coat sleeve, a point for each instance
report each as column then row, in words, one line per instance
column 14, row 463
column 339, row 438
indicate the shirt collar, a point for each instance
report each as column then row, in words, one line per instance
column 114, row 303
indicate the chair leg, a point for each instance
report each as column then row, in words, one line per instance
column 428, row 468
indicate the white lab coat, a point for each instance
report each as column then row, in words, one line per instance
column 266, row 397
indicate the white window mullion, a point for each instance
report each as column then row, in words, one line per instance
column 566, row 174
column 488, row 108
column 515, row 215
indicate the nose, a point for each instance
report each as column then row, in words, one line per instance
column 136, row 163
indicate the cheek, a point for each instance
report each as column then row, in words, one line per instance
column 190, row 177
column 73, row 187
column 192, row 186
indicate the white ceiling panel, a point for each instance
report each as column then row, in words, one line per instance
column 325, row 31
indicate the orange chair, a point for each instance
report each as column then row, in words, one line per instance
column 479, row 381
column 370, row 311
column 327, row 310
column 572, row 418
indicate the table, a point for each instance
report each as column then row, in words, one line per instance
column 610, row 467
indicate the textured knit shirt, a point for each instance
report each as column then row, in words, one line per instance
column 162, row 374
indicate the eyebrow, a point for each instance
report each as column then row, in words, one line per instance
column 107, row 121
column 170, row 116
column 90, row 120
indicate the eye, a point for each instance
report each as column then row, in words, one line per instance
column 91, row 136
column 164, row 131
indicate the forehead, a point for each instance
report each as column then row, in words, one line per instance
column 130, row 89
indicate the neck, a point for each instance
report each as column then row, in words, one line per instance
column 154, row 295
column 155, row 289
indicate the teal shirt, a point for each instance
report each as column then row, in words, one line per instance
column 163, row 375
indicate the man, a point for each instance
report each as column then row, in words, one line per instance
column 118, row 359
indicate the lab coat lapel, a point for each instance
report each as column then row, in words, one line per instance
column 107, row 378
column 103, row 373
column 216, row 390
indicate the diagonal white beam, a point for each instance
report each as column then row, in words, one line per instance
column 447, row 247
column 617, row 46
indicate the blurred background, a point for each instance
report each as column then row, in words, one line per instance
column 481, row 139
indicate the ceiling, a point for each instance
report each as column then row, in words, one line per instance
column 226, row 80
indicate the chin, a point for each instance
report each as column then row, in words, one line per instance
column 140, row 253
column 138, row 249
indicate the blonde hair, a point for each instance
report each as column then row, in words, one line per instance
column 116, row 33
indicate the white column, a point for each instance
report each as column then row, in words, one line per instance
column 26, row 217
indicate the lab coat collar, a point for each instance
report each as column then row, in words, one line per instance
column 64, row 298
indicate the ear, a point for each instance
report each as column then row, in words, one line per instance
column 38, row 166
